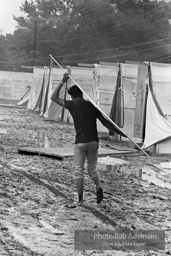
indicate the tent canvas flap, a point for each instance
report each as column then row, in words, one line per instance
column 157, row 127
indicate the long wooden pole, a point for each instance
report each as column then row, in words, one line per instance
column 104, row 114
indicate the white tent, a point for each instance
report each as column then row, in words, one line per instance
column 52, row 111
column 44, row 83
column 104, row 84
column 25, row 98
column 158, row 119
column 37, row 79
column 129, row 74
column 157, row 127
column 99, row 83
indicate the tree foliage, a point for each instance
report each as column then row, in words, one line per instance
column 90, row 31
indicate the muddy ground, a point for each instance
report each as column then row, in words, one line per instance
column 36, row 191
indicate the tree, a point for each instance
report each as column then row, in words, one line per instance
column 91, row 31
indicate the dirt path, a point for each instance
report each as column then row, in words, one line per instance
column 35, row 192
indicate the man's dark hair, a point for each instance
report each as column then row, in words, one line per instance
column 75, row 91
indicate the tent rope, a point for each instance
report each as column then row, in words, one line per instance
column 135, row 94
column 132, row 95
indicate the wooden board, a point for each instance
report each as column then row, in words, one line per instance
column 67, row 153
column 106, row 97
column 140, row 102
column 164, row 147
column 13, row 85
column 129, row 117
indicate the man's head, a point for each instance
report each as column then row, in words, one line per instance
column 75, row 92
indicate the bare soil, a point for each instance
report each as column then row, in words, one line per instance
column 36, row 192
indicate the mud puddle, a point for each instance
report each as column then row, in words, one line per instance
column 157, row 176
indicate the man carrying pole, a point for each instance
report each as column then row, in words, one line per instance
column 84, row 115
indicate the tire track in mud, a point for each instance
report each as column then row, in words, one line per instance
column 12, row 246
column 101, row 213
column 59, row 191
column 8, row 243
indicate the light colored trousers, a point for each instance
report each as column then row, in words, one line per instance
column 86, row 151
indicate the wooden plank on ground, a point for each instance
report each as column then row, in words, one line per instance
column 68, row 153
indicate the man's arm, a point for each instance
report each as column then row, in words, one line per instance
column 55, row 95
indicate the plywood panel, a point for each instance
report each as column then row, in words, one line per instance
column 57, row 74
column 38, row 73
column 13, row 85
column 106, row 97
column 66, row 153
column 140, row 102
column 107, row 76
column 129, row 116
column 78, row 72
column 53, row 110
column 129, row 71
column 105, row 108
column 108, row 83
column 84, row 77
column 164, row 147
column 129, row 91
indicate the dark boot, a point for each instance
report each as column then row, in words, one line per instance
column 99, row 194
column 79, row 185
column 99, row 190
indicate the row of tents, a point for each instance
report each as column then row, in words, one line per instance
column 136, row 97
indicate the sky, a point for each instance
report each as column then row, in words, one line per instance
column 7, row 10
